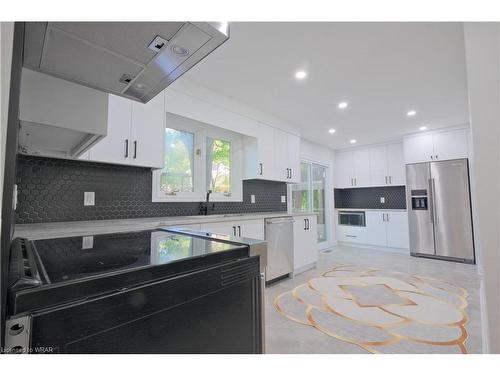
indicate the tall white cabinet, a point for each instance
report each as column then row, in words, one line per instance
column 135, row 133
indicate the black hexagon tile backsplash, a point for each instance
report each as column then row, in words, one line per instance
column 369, row 198
column 51, row 190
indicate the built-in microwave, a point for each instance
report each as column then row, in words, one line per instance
column 352, row 218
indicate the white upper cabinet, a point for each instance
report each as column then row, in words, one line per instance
column 58, row 118
column 114, row 148
column 286, row 156
column 294, row 157
column 396, row 171
column 361, row 163
column 147, row 132
column 418, row 149
column 265, row 153
column 353, row 168
column 378, row 166
column 374, row 166
column 387, row 165
column 135, row 133
column 272, row 155
column 450, row 145
column 444, row 145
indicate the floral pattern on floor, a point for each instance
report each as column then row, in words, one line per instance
column 381, row 311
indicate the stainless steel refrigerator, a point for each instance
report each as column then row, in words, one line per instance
column 439, row 210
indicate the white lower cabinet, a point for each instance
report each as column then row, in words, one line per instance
column 239, row 228
column 397, row 230
column 376, row 233
column 227, row 228
column 347, row 233
column 383, row 229
column 305, row 237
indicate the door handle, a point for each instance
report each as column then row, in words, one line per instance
column 383, row 217
column 260, row 164
column 308, row 227
column 386, row 180
column 437, row 157
column 290, row 173
column 434, row 212
column 135, row 149
column 305, row 224
column 239, row 230
column 432, row 157
column 126, row 148
column 390, row 180
column 234, row 231
column 431, row 200
column 387, row 217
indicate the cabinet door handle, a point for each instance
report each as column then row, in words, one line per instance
column 290, row 173
column 386, row 180
column 390, row 180
column 352, row 184
column 437, row 157
column 239, row 230
column 234, row 231
column 260, row 164
column 135, row 149
column 305, row 224
column 308, row 225
column 383, row 217
column 432, row 157
column 355, row 181
column 387, row 216
column 126, row 148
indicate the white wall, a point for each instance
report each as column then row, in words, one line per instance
column 190, row 100
column 482, row 49
column 6, row 36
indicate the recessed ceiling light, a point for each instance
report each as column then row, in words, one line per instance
column 342, row 105
column 300, row 74
column 353, row 141
column 422, row 128
column 331, row 131
column 411, row 113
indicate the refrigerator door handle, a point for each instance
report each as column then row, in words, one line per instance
column 431, row 200
column 434, row 216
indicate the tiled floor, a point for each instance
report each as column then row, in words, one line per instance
column 286, row 336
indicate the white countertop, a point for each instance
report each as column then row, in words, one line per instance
column 83, row 228
column 372, row 209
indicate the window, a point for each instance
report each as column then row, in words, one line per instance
column 198, row 157
column 218, row 166
column 309, row 195
column 177, row 175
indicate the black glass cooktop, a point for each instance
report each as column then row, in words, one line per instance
column 72, row 258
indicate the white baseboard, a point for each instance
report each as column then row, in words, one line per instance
column 302, row 269
column 397, row 250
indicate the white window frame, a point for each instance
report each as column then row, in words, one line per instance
column 201, row 131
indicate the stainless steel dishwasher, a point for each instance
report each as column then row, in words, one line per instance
column 279, row 237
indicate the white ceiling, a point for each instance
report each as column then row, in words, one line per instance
column 382, row 70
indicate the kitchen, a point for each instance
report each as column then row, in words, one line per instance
column 143, row 169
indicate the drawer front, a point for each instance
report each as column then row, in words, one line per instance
column 351, row 234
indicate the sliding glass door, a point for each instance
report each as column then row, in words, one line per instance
column 310, row 195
